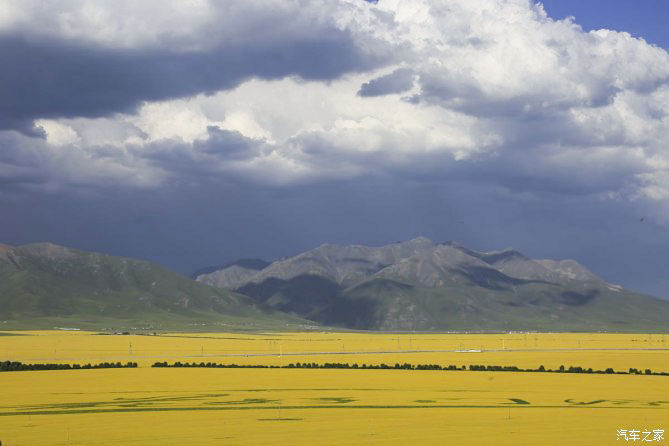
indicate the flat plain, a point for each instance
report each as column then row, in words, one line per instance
column 203, row 406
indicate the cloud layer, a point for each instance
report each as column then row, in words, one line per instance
column 319, row 90
column 490, row 95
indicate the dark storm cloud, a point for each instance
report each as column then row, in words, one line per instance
column 20, row 165
column 468, row 97
column 219, row 220
column 398, row 81
column 51, row 79
column 525, row 174
column 229, row 144
column 541, row 156
column 203, row 161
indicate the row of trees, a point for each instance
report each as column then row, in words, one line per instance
column 309, row 365
column 407, row 366
column 214, row 365
column 562, row 369
column 15, row 366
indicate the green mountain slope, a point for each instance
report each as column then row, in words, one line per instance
column 45, row 285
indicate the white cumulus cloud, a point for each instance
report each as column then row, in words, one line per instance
column 489, row 89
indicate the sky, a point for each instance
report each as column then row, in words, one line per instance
column 193, row 133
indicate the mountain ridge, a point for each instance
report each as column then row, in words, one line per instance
column 43, row 282
column 421, row 285
column 408, row 286
column 314, row 261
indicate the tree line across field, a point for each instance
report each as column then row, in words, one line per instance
column 407, row 366
column 15, row 366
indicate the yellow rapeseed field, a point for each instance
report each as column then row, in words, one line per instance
column 200, row 406
column 596, row 350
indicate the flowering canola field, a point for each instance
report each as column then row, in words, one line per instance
column 201, row 406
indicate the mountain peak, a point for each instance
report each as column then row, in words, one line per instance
column 570, row 269
column 253, row 264
column 418, row 261
column 503, row 255
column 419, row 241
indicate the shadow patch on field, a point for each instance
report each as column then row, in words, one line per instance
column 465, row 391
column 246, row 401
column 312, row 390
column 136, row 391
column 280, row 419
column 583, row 403
column 308, row 407
column 124, row 402
column 158, row 399
column 86, row 405
column 335, row 399
column 518, row 401
column 424, row 401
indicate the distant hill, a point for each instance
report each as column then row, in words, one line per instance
column 421, row 285
column 44, row 285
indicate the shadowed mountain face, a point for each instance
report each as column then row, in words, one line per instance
column 420, row 285
column 44, row 284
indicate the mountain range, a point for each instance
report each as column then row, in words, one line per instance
column 43, row 285
column 414, row 285
column 421, row 285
